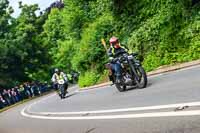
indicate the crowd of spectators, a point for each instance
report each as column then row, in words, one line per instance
column 29, row 89
column 21, row 92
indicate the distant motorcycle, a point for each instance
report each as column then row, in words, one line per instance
column 75, row 76
column 61, row 88
column 133, row 74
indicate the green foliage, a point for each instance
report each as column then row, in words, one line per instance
column 159, row 39
column 39, row 75
column 53, row 29
column 88, row 78
column 21, row 51
column 163, row 32
column 194, row 50
column 73, row 19
column 91, row 53
column 65, row 53
column 103, row 77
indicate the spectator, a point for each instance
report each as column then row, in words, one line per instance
column 21, row 91
column 2, row 102
column 27, row 90
column 44, row 87
column 30, row 89
column 10, row 96
column 6, row 97
column 35, row 88
column 14, row 95
column 17, row 92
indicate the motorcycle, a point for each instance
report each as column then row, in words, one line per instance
column 61, row 88
column 132, row 73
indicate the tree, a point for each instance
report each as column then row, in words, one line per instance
column 5, row 39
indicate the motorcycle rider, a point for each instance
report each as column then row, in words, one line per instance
column 113, row 52
column 58, row 75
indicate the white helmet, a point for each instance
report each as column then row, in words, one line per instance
column 56, row 70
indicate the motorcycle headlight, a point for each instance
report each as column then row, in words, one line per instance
column 130, row 57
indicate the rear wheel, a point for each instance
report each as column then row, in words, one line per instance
column 121, row 88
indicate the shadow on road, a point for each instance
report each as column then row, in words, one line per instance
column 69, row 95
column 90, row 130
column 131, row 88
column 135, row 87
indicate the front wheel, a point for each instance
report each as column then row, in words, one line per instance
column 141, row 79
column 62, row 91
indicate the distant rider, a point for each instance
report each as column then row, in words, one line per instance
column 58, row 75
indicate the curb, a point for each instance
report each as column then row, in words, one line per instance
column 160, row 70
column 95, row 86
column 164, row 69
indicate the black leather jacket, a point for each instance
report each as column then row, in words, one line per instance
column 115, row 52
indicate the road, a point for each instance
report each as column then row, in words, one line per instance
column 169, row 104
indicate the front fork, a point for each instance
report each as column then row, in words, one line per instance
column 134, row 72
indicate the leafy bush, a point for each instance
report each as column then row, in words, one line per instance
column 103, row 77
column 88, row 78
column 168, row 36
column 91, row 53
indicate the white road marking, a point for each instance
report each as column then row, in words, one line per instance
column 121, row 110
column 41, row 115
column 43, row 99
column 127, row 116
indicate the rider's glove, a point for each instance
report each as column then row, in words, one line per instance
column 112, row 60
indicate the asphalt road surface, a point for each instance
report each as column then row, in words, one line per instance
column 169, row 104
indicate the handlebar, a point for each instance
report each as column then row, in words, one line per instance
column 134, row 54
